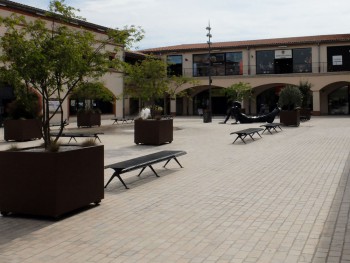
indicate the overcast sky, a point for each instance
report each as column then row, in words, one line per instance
column 175, row 22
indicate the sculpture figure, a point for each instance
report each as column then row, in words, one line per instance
column 235, row 111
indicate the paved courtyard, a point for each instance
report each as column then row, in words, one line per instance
column 281, row 198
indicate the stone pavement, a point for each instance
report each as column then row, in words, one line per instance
column 281, row 198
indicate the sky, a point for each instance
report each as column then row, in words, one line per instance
column 176, row 22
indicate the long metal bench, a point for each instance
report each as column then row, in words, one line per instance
column 73, row 135
column 247, row 132
column 141, row 163
column 271, row 126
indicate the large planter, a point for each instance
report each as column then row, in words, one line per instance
column 88, row 119
column 305, row 113
column 22, row 130
column 153, row 132
column 290, row 118
column 51, row 184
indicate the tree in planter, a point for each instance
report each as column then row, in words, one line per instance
column 88, row 93
column 290, row 99
column 146, row 80
column 54, row 62
column 23, row 122
column 305, row 89
column 25, row 106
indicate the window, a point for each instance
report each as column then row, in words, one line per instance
column 174, row 65
column 284, row 61
column 338, row 58
column 302, row 60
column 234, row 63
column 200, row 65
column 221, row 64
column 265, row 62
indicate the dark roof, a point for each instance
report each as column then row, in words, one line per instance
column 253, row 43
column 25, row 9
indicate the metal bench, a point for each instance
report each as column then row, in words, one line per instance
column 141, row 163
column 58, row 124
column 123, row 120
column 83, row 135
column 271, row 126
column 247, row 132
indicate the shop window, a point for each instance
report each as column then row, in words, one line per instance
column 174, row 65
column 265, row 62
column 338, row 58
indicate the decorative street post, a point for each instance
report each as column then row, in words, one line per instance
column 207, row 114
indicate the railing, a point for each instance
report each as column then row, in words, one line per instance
column 252, row 70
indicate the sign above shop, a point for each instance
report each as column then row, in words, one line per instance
column 284, row 53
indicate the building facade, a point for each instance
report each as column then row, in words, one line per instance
column 268, row 66
column 112, row 80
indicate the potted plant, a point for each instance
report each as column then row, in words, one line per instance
column 23, row 122
column 290, row 100
column 305, row 89
column 148, row 81
column 40, row 181
column 152, row 131
column 88, row 92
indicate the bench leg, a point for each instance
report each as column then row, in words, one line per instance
column 251, row 136
column 150, row 166
column 71, row 139
column 269, row 130
column 115, row 174
column 241, row 137
column 143, row 168
column 175, row 160
column 97, row 138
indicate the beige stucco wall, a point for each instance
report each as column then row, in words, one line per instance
column 113, row 80
column 323, row 82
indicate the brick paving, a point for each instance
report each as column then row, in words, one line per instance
column 281, row 198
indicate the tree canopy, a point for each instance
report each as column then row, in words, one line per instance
column 54, row 58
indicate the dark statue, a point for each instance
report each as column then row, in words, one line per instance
column 235, row 112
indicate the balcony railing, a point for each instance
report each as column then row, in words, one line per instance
column 252, row 70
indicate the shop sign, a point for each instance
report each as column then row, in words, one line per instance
column 284, row 53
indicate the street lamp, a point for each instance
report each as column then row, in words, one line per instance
column 207, row 115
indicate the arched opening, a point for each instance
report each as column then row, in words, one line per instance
column 219, row 103
column 338, row 101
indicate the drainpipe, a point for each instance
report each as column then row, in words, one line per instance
column 319, row 57
column 248, row 51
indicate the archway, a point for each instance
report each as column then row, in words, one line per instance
column 200, row 99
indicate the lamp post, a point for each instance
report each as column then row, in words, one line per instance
column 207, row 114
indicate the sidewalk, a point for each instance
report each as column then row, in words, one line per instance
column 281, row 198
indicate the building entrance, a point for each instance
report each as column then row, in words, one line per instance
column 283, row 66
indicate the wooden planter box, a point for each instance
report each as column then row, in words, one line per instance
column 306, row 113
column 88, row 119
column 290, row 118
column 153, row 132
column 22, row 130
column 51, row 184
